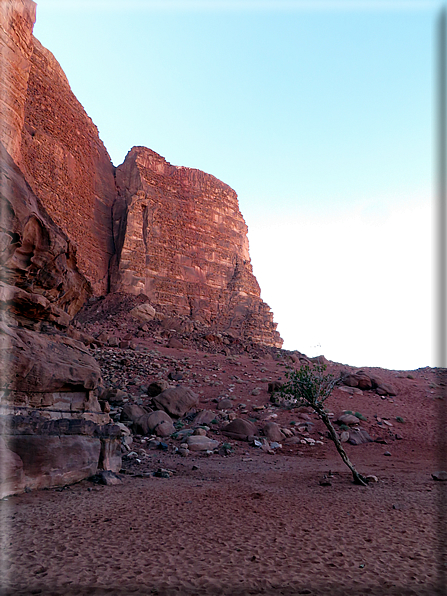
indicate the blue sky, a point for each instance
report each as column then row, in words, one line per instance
column 320, row 115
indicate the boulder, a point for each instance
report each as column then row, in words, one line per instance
column 386, row 389
column 348, row 419
column 201, row 443
column 319, row 360
column 143, row 312
column 164, row 429
column 133, row 412
column 115, row 397
column 176, row 401
column 358, row 437
column 175, row 343
column 273, row 432
column 156, row 387
column 204, row 417
column 364, row 381
column 350, row 380
column 199, row 431
column 158, row 422
column 224, row 404
column 240, row 429
column 155, row 418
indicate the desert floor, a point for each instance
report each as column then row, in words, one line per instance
column 246, row 524
column 250, row 522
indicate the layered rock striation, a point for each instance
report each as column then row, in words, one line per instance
column 181, row 240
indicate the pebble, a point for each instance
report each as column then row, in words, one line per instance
column 441, row 476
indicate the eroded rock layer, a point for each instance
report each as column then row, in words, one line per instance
column 181, row 240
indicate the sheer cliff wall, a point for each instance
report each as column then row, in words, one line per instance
column 182, row 241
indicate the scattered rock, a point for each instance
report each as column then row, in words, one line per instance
column 240, row 429
column 224, row 404
column 157, row 387
column 174, row 343
column 163, row 473
column 176, row 401
column 273, row 432
column 348, row 419
column 440, row 476
column 201, row 443
column 107, row 477
column 143, row 312
column 359, row 437
column 371, row 478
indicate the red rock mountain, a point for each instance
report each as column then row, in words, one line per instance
column 182, row 241
column 174, row 234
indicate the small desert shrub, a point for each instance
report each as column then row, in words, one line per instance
column 360, row 416
column 400, row 419
column 310, row 386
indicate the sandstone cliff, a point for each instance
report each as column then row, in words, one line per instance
column 48, row 134
column 181, row 240
column 16, row 27
column 67, row 166
column 175, row 234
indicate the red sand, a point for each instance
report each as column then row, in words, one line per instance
column 250, row 523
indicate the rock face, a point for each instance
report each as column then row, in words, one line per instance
column 181, row 240
column 56, row 145
column 16, row 27
column 67, row 166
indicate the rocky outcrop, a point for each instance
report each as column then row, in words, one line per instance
column 38, row 453
column 36, row 257
column 41, row 369
column 67, row 165
column 181, row 240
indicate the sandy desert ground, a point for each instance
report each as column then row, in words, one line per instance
column 250, row 522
